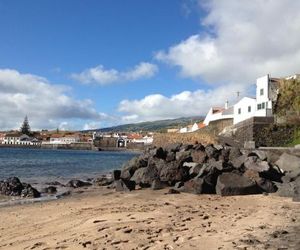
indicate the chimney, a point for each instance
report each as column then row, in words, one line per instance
column 226, row 105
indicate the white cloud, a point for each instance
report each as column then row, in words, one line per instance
column 244, row 40
column 186, row 103
column 100, row 75
column 47, row 105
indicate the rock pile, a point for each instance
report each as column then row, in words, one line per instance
column 14, row 187
column 211, row 169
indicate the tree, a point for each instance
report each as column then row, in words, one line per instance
column 25, row 128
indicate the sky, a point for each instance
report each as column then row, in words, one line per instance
column 75, row 64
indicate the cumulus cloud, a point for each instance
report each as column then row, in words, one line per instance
column 244, row 40
column 100, row 75
column 47, row 105
column 186, row 103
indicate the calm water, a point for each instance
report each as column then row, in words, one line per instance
column 38, row 165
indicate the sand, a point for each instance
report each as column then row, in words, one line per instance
column 103, row 219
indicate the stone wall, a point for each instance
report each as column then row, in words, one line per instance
column 262, row 130
column 204, row 136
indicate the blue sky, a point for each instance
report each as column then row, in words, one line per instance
column 93, row 51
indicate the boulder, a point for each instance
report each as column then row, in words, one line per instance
column 239, row 161
column 266, row 185
column 262, row 155
column 290, row 164
column 212, row 152
column 102, row 181
column 194, row 186
column 253, row 162
column 194, row 170
column 29, row 192
column 77, row 184
column 225, row 153
column 186, row 147
column 157, row 184
column 158, row 153
column 183, row 156
column 124, row 186
column 234, row 184
column 171, row 156
column 172, row 173
column 145, row 176
column 116, row 175
column 11, row 187
column 234, row 153
column 175, row 147
column 131, row 166
column 199, row 156
column 179, row 184
column 198, row 147
column 158, row 163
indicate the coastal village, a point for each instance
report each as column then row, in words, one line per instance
column 226, row 118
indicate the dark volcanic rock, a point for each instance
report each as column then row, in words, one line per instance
column 29, row 191
column 145, row 176
column 13, row 187
column 159, row 153
column 102, row 181
column 212, row 152
column 234, row 184
column 175, row 147
column 290, row 164
column 194, row 186
column 234, row 153
column 157, row 184
column 77, row 184
column 199, row 156
column 239, row 161
column 134, row 164
column 116, row 175
column 173, row 173
column 171, row 156
column 123, row 185
column 183, row 156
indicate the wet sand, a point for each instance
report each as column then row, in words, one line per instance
column 100, row 218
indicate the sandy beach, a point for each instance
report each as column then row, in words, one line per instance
column 100, row 218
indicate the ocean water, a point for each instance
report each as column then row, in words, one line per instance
column 43, row 165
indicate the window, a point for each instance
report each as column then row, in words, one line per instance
column 258, row 106
column 263, row 105
column 239, row 111
column 261, row 91
column 249, row 109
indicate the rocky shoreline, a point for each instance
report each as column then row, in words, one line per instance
column 212, row 169
column 198, row 169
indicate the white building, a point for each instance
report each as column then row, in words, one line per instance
column 218, row 113
column 260, row 106
column 64, row 139
column 19, row 139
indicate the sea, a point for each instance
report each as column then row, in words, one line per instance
column 40, row 166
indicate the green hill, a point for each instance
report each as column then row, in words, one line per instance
column 154, row 126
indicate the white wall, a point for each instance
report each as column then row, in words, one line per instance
column 243, row 105
column 262, row 100
column 214, row 117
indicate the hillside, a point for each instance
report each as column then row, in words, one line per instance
column 154, row 126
